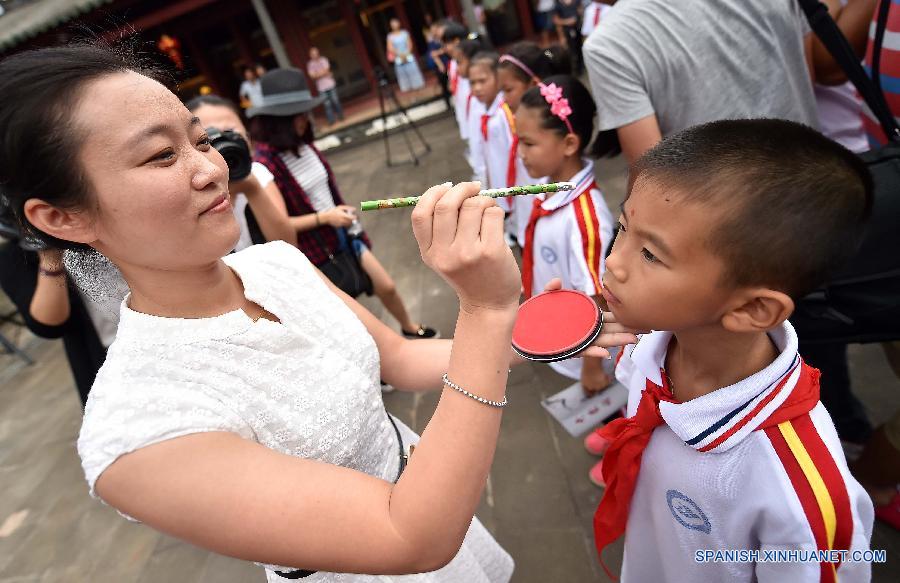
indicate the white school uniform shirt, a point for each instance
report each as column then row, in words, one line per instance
column 476, row 143
column 571, row 244
column 594, row 13
column 461, row 96
column 496, row 142
column 745, row 491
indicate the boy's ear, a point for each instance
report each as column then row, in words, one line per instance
column 68, row 225
column 758, row 310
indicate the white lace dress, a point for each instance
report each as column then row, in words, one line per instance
column 308, row 386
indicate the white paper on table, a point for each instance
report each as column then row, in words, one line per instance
column 577, row 413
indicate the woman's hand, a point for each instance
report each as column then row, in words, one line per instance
column 460, row 237
column 339, row 217
column 51, row 259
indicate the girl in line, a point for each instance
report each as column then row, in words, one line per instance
column 568, row 233
column 520, row 69
column 238, row 408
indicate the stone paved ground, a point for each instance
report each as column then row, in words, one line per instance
column 538, row 504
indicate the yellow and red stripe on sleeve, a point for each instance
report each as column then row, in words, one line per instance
column 589, row 226
column 819, row 486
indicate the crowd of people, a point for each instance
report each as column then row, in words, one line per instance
column 229, row 416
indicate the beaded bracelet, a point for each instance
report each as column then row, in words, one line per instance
column 454, row 386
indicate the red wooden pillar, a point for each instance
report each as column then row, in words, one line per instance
column 198, row 58
column 453, row 9
column 524, row 7
column 356, row 35
column 289, row 23
column 243, row 43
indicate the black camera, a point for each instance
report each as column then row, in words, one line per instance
column 234, row 149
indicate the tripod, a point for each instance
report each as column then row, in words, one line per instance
column 385, row 92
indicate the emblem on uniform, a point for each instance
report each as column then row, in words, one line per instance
column 686, row 512
column 548, row 254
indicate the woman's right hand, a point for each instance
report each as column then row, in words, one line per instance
column 460, row 237
column 339, row 217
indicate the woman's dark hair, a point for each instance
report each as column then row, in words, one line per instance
column 195, row 103
column 278, row 132
column 544, row 63
column 606, row 144
column 39, row 142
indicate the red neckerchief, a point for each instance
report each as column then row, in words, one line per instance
column 454, row 79
column 513, row 147
column 538, row 212
column 629, row 436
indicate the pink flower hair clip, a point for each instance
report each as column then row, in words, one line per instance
column 559, row 105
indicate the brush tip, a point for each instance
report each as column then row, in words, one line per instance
column 566, row 185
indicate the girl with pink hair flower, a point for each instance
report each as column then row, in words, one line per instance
column 568, row 233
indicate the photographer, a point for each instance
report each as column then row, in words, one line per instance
column 255, row 199
column 283, row 136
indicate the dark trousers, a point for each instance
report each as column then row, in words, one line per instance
column 445, row 87
column 574, row 40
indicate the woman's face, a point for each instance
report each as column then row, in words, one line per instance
column 221, row 117
column 301, row 121
column 158, row 191
column 395, row 24
column 512, row 87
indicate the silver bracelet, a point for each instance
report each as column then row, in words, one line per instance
column 455, row 387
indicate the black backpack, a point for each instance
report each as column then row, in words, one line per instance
column 861, row 302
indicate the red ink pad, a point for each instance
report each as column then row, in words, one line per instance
column 555, row 325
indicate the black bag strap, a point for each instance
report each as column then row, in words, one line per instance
column 834, row 40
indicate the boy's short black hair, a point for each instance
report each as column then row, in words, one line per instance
column 792, row 203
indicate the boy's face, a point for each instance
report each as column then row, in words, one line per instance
column 661, row 275
column 483, row 82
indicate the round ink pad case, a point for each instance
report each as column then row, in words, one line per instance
column 555, row 325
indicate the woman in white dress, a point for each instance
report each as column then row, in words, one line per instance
column 239, row 408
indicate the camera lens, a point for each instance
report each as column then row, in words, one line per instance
column 235, row 151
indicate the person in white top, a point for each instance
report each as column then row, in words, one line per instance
column 239, row 407
column 249, row 90
column 594, row 13
column 256, row 199
column 567, row 233
column 324, row 224
column 468, row 108
column 727, row 461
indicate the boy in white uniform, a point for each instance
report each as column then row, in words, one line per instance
column 726, row 446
